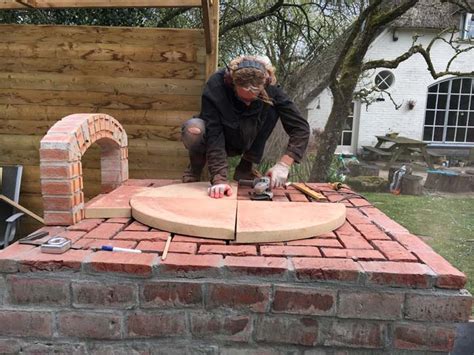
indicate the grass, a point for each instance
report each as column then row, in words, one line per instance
column 445, row 223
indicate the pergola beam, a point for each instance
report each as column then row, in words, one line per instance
column 63, row 4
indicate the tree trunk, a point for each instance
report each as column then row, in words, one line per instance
column 329, row 139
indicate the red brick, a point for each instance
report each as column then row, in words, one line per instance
column 129, row 263
column 299, row 300
column 184, row 264
column 358, row 202
column 280, row 329
column 394, row 251
column 137, row 226
column 175, row 247
column 57, row 155
column 356, row 218
column 85, row 225
column 298, row 197
column 317, row 242
column 52, row 218
column 26, row 323
column 28, row 291
column 355, row 334
column 354, row 254
column 383, row 221
column 104, row 295
column 156, row 324
column 438, row 308
column 372, row 232
column 35, row 260
column 354, row 242
column 399, row 274
column 123, row 220
column 189, row 239
column 411, row 242
column 11, row 346
column 72, row 235
column 88, row 325
column 60, row 171
column 254, row 298
column 235, row 250
column 151, row 236
column 60, row 187
column 280, row 199
column 234, row 328
column 346, row 229
column 105, row 231
column 256, row 265
column 166, row 294
column 423, row 337
column 10, row 255
column 289, row 251
column 62, row 203
column 326, row 269
column 447, row 275
column 370, row 305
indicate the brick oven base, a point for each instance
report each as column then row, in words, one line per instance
column 211, row 311
column 369, row 287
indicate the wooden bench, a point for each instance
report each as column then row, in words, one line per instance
column 377, row 151
column 431, row 153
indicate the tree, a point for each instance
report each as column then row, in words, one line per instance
column 350, row 65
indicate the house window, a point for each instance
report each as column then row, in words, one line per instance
column 384, row 79
column 467, row 27
column 449, row 114
column 346, row 136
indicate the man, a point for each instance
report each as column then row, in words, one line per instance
column 240, row 108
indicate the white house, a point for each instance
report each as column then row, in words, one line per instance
column 440, row 112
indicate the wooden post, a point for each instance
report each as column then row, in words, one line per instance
column 211, row 58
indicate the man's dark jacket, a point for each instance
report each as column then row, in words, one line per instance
column 232, row 126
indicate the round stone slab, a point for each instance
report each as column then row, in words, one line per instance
column 187, row 209
column 269, row 221
column 207, row 218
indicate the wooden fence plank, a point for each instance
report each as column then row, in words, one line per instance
column 47, row 4
column 120, row 68
column 105, row 84
column 99, row 100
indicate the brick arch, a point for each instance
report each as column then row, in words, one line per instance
column 61, row 151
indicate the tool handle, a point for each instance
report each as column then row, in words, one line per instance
column 246, row 183
column 21, row 208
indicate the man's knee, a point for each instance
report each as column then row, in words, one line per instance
column 192, row 134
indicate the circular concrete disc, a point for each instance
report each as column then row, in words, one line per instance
column 187, row 209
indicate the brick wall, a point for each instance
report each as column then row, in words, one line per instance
column 100, row 312
column 60, row 163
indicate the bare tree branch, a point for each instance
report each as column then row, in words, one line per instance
column 254, row 18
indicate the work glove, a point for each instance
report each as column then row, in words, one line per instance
column 278, row 174
column 219, row 190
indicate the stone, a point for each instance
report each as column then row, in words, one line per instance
column 113, row 204
column 201, row 217
column 270, row 221
column 184, row 191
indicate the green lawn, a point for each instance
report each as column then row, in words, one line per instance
column 446, row 224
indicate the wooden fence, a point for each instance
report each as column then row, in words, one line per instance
column 150, row 80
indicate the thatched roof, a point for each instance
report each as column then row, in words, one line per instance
column 429, row 14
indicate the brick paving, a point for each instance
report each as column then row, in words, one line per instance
column 369, row 249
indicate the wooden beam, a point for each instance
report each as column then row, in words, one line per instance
column 48, row 4
column 211, row 57
column 207, row 24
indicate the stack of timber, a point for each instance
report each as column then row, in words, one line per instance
column 149, row 79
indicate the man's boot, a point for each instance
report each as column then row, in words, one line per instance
column 245, row 171
column 194, row 170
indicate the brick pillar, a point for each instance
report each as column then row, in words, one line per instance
column 60, row 163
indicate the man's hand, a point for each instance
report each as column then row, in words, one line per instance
column 219, row 190
column 278, row 174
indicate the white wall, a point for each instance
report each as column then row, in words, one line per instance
column 411, row 82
